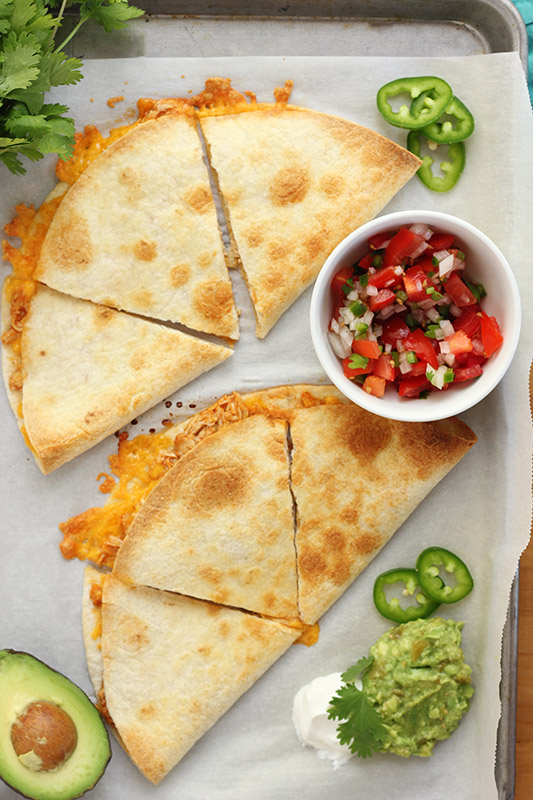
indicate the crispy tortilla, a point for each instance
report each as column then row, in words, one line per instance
column 294, row 183
column 219, row 525
column 173, row 665
column 356, row 478
column 88, row 370
column 138, row 231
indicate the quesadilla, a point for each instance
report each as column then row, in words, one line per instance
column 294, row 183
column 356, row 478
column 172, row 665
column 138, row 231
column 86, row 370
column 219, row 525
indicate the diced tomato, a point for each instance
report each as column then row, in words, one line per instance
column 415, row 283
column 366, row 261
column 350, row 372
column 469, row 321
column 394, row 330
column 374, row 385
column 425, row 262
column 441, row 241
column 490, row 334
column 401, row 246
column 458, row 291
column 467, row 373
column 418, row 368
column 384, row 278
column 422, row 346
column 339, row 279
column 411, row 387
column 380, row 240
column 366, row 348
column 459, row 342
column 384, row 367
column 380, row 300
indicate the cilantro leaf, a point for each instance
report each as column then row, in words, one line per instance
column 363, row 729
column 30, row 65
column 112, row 16
column 358, row 668
column 18, row 62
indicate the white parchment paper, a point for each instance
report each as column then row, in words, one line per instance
column 481, row 510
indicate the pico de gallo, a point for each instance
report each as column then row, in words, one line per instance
column 406, row 315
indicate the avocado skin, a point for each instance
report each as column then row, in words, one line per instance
column 50, row 677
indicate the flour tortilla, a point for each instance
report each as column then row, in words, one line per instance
column 294, row 183
column 138, row 231
column 219, row 525
column 89, row 370
column 173, row 665
column 356, row 478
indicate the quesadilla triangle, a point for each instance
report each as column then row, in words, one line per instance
column 173, row 665
column 294, row 182
column 356, row 478
column 219, row 525
column 138, row 231
column 88, row 370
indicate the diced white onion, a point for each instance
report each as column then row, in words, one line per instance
column 455, row 310
column 346, row 336
column 422, row 230
column 447, row 327
column 449, row 359
column 338, row 346
column 458, row 263
column 387, row 312
column 433, row 314
column 388, row 347
column 446, row 266
column 378, row 330
column 371, row 290
column 354, row 295
column 346, row 315
column 444, row 347
column 368, row 316
column 398, row 270
column 422, row 247
column 334, row 325
column 429, row 303
column 478, row 347
column 441, row 254
column 436, row 376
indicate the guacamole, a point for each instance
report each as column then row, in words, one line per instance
column 419, row 684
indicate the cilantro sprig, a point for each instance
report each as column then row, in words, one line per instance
column 31, row 63
column 362, row 729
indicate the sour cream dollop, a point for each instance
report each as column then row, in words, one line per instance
column 310, row 717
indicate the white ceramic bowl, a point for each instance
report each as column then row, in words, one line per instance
column 485, row 264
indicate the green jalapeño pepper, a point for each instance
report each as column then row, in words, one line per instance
column 430, row 96
column 455, row 125
column 452, row 167
column 429, row 574
column 392, row 609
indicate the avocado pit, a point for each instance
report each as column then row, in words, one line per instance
column 44, row 736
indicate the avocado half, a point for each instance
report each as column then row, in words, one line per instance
column 31, row 689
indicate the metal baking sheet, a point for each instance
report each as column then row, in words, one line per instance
column 344, row 27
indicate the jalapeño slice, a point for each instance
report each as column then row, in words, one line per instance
column 433, row 581
column 410, row 587
column 445, row 130
column 429, row 98
column 452, row 167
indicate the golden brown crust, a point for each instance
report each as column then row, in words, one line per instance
column 89, row 369
column 355, row 478
column 295, row 182
column 219, row 525
column 174, row 665
column 128, row 223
